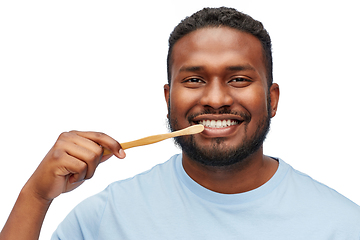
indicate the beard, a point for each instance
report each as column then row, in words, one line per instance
column 218, row 155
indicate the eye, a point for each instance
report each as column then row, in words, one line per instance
column 240, row 82
column 193, row 82
column 240, row 79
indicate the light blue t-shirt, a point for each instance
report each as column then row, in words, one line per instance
column 165, row 203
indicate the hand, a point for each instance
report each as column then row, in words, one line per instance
column 73, row 159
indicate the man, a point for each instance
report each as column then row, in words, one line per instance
column 221, row 186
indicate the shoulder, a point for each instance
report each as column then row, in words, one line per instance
column 84, row 220
column 319, row 197
column 303, row 181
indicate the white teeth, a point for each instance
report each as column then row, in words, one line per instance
column 218, row 123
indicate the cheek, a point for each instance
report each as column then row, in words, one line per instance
column 182, row 101
column 254, row 100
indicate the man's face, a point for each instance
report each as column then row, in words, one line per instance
column 219, row 80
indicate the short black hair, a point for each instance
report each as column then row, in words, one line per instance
column 218, row 17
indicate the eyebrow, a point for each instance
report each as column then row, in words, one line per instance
column 241, row 68
column 231, row 68
column 191, row 69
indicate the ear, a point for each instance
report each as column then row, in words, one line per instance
column 274, row 96
column 167, row 95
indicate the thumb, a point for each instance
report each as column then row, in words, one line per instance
column 107, row 154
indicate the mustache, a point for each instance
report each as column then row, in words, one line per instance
column 243, row 115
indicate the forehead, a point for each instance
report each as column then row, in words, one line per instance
column 216, row 48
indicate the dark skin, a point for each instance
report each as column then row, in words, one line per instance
column 229, row 71
column 72, row 160
column 214, row 68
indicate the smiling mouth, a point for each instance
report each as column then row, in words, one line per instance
column 218, row 123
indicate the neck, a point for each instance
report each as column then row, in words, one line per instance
column 241, row 177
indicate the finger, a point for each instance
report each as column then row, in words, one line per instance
column 105, row 141
column 82, row 149
column 86, row 143
column 70, row 167
column 108, row 154
column 89, row 157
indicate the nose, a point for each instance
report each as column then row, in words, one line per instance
column 216, row 95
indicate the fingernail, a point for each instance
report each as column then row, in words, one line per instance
column 122, row 153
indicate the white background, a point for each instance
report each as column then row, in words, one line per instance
column 101, row 66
